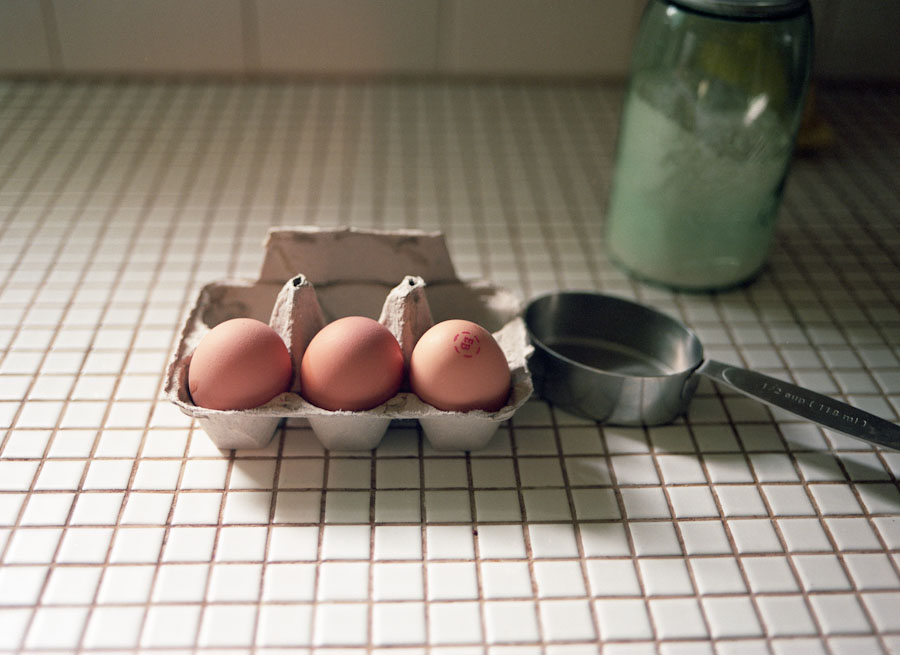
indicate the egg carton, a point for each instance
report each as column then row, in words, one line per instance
column 312, row 276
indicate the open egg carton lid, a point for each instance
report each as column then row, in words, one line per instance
column 311, row 276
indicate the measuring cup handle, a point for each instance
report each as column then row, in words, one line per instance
column 827, row 412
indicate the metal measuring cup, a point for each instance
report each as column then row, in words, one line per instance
column 619, row 362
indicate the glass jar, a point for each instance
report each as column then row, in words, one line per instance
column 713, row 104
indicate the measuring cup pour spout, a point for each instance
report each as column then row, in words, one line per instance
column 827, row 412
column 619, row 362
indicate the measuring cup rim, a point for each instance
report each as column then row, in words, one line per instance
column 689, row 337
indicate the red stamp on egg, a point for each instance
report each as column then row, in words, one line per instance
column 466, row 344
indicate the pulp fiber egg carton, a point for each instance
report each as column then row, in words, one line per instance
column 312, row 276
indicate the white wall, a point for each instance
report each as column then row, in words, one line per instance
column 420, row 37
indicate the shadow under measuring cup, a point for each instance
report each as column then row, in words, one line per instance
column 622, row 363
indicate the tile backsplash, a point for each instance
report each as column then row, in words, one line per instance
column 854, row 38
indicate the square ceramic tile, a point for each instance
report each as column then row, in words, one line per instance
column 452, row 581
column 237, row 544
column 678, row 618
column 398, row 506
column 60, row 475
column 227, row 625
column 717, row 575
column 566, row 620
column 292, row 543
column 623, row 619
column 84, row 545
column 635, row 469
column 786, row 615
column 588, row 471
column 755, row 536
column 804, row 535
column 834, row 499
column 289, row 582
column 108, row 474
column 578, row 440
column 506, row 579
column 301, row 473
column 552, row 540
column 447, row 472
column 396, row 473
column 488, row 473
column 693, row 502
column 398, row 542
column 252, row 474
column 347, row 506
column 665, row 577
column 501, row 542
column 449, row 542
column 595, row 504
column 284, row 625
column 788, row 500
column 613, row 577
column 559, row 578
column 180, row 583
column 447, row 506
column 234, row 582
column 56, row 628
column 871, row 571
column 497, row 505
column 398, row 624
column 839, row 613
column 247, row 507
column 147, row 508
column 343, row 581
column 883, row 608
column 454, row 623
column 879, row 498
column 604, row 540
column 136, row 545
column 654, row 538
column 75, row 585
column 769, row 574
column 681, row 469
column 297, row 506
column 340, row 624
column 540, row 472
column 725, row 469
column 204, row 474
column 508, row 621
column 344, row 473
column 731, row 617
column 22, row 584
column 189, row 544
column 50, row 509
column 72, row 443
column 740, row 500
column 156, row 474
column 546, row 505
column 126, row 584
column 821, row 573
column 343, row 542
column 393, row 581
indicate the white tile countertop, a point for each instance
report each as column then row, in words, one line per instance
column 737, row 529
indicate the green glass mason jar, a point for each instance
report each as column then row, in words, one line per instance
column 711, row 112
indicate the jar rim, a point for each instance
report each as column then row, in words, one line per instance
column 759, row 9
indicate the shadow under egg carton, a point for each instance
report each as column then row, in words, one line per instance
column 346, row 273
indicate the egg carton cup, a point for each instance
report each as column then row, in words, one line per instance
column 353, row 272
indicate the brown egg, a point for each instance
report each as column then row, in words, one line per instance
column 352, row 364
column 458, row 366
column 239, row 364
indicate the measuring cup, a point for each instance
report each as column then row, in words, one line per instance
column 622, row 363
